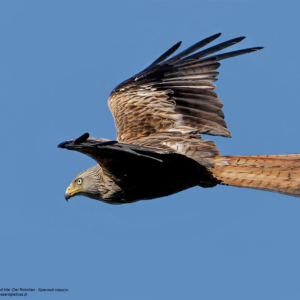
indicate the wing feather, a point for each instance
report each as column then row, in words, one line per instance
column 216, row 48
column 195, row 47
column 174, row 97
column 166, row 54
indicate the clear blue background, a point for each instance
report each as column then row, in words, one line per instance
column 59, row 62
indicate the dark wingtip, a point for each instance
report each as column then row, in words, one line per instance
column 78, row 141
column 81, row 139
column 239, row 39
column 62, row 145
column 176, row 46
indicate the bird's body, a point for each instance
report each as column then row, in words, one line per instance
column 159, row 115
column 140, row 173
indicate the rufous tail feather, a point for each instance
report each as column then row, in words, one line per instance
column 274, row 173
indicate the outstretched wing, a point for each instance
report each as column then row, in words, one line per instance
column 112, row 155
column 173, row 96
column 119, row 160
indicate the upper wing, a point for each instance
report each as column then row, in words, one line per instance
column 119, row 161
column 112, row 156
column 173, row 96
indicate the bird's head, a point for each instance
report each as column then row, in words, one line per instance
column 85, row 184
column 93, row 183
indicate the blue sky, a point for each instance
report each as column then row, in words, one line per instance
column 60, row 60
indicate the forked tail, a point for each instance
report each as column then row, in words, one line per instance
column 274, row 173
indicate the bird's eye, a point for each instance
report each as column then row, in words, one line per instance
column 79, row 181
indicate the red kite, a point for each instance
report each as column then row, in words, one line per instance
column 159, row 115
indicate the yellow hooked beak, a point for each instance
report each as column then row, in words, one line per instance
column 71, row 191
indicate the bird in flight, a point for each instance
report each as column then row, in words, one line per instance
column 159, row 115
